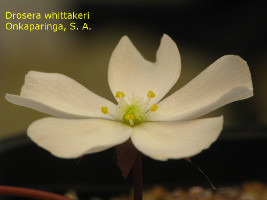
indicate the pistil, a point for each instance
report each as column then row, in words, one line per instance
column 130, row 117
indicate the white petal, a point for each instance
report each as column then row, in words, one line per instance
column 72, row 138
column 227, row 80
column 174, row 140
column 60, row 96
column 130, row 73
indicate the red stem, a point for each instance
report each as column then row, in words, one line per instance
column 30, row 193
column 137, row 179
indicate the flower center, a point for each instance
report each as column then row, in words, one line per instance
column 133, row 113
column 132, row 116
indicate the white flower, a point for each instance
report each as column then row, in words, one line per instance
column 85, row 123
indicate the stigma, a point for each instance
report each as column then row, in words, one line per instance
column 130, row 117
column 134, row 111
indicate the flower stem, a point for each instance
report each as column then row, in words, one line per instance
column 137, row 177
column 30, row 193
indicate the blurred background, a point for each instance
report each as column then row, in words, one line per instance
column 203, row 30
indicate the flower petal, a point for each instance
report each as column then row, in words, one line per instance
column 60, row 96
column 72, row 138
column 174, row 140
column 227, row 80
column 130, row 73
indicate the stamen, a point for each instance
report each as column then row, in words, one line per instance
column 130, row 117
column 154, row 108
column 105, row 111
column 120, row 95
column 150, row 95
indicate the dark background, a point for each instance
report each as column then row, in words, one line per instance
column 203, row 31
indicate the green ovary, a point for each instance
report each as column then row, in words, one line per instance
column 132, row 110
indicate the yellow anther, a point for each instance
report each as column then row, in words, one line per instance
column 104, row 110
column 120, row 94
column 154, row 108
column 129, row 117
column 151, row 94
